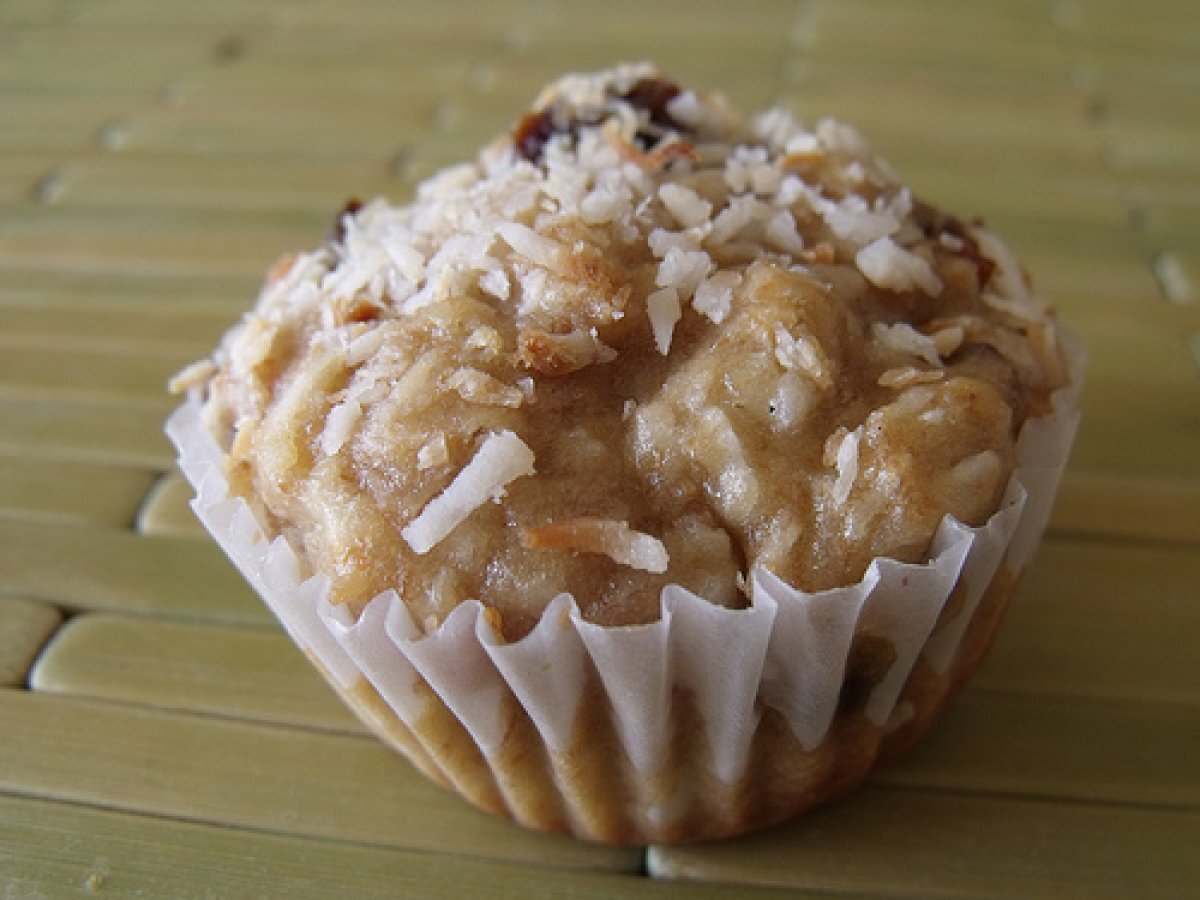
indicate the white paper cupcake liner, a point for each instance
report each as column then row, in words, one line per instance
column 786, row 653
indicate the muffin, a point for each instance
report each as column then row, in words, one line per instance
column 651, row 478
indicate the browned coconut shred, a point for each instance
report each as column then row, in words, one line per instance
column 614, row 539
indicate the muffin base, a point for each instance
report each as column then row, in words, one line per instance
column 593, row 791
column 705, row 724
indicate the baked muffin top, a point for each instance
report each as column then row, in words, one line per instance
column 639, row 341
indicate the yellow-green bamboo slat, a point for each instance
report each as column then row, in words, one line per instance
column 246, row 673
column 141, row 291
column 42, row 854
column 906, row 843
column 1119, row 419
column 1103, row 618
column 1165, row 107
column 1142, row 508
column 1173, row 232
column 35, row 123
column 426, row 19
column 25, row 627
column 23, row 13
column 1086, row 285
column 919, row 29
column 229, row 124
column 325, row 65
column 1064, row 748
column 974, row 140
column 166, row 511
column 72, row 322
column 160, row 241
column 140, row 180
column 1172, row 150
column 1076, row 196
column 114, row 15
column 22, row 173
column 104, row 62
column 1115, row 76
column 90, row 430
column 31, row 486
column 265, row 777
column 79, row 371
column 1166, row 30
column 90, row 568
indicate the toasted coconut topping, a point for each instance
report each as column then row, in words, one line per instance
column 502, row 458
column 855, row 220
column 496, row 283
column 475, row 386
column 339, row 425
column 191, row 376
column 486, row 339
column 714, row 295
column 800, row 351
column 539, row 250
column 679, row 307
column 908, row 376
column 615, row 539
column 664, row 311
column 688, row 207
column 684, row 270
column 781, row 231
column 888, row 265
column 903, row 338
column 364, row 346
column 434, row 452
column 1011, row 288
column 556, row 355
column 845, row 457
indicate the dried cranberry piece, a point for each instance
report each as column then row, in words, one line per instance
column 337, row 231
column 532, row 133
column 653, row 95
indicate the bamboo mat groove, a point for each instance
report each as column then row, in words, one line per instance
column 162, row 737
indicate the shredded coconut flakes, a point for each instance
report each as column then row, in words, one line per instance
column 799, row 351
column 846, row 460
column 683, row 270
column 476, row 386
column 781, row 231
column 664, row 311
column 907, row 376
column 688, row 207
column 714, row 295
column 434, row 452
column 614, row 538
column 502, row 458
column 888, row 265
column 538, row 249
column 339, row 425
column 903, row 338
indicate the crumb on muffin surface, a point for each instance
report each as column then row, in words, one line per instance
column 638, row 342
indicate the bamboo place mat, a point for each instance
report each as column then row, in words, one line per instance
column 159, row 736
